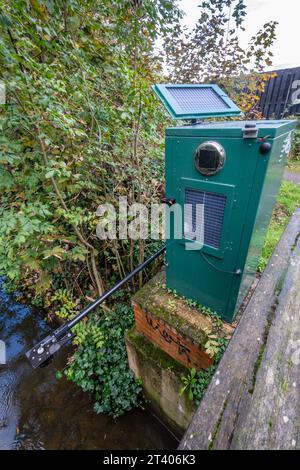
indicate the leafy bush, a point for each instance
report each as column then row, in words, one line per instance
column 66, row 304
column 80, row 127
column 99, row 365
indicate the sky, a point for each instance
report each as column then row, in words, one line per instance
column 286, row 49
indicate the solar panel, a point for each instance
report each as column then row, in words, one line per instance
column 196, row 101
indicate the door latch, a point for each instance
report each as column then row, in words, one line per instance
column 250, row 131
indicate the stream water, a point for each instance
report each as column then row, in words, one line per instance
column 37, row 411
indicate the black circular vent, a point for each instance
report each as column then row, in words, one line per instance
column 210, row 158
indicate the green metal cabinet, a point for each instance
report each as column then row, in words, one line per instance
column 238, row 201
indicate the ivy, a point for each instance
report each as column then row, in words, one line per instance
column 99, row 365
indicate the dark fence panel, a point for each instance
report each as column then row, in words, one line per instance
column 276, row 101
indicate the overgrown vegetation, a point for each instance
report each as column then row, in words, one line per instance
column 81, row 127
column 294, row 157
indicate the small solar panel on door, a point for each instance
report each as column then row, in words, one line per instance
column 214, row 208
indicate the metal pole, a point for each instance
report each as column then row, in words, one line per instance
column 116, row 287
column 42, row 352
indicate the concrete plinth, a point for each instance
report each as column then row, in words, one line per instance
column 161, row 380
column 175, row 325
column 171, row 336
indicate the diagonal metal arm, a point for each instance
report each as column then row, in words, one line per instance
column 41, row 354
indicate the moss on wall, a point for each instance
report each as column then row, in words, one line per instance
column 150, row 351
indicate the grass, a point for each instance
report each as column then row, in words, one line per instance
column 287, row 201
column 293, row 166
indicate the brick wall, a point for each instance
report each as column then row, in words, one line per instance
column 169, row 340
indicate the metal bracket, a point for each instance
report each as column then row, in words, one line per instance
column 42, row 352
column 250, row 131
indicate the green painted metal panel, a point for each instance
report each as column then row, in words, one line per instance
column 249, row 181
column 232, row 129
column 264, row 207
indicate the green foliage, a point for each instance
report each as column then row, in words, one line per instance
column 66, row 304
column 189, row 382
column 212, row 346
column 196, row 383
column 287, row 201
column 200, row 384
column 99, row 365
column 213, row 49
column 80, row 127
column 216, row 319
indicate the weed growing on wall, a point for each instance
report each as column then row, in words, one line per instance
column 195, row 383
